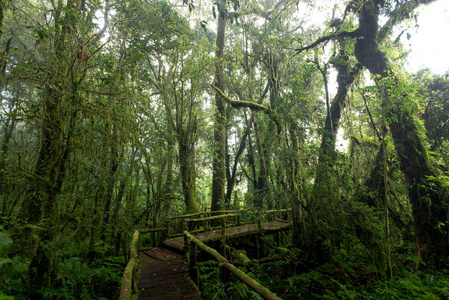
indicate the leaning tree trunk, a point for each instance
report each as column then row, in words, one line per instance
column 427, row 197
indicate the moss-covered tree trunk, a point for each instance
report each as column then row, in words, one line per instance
column 59, row 107
column 427, row 197
column 168, row 185
column 346, row 75
column 294, row 184
column 219, row 155
column 187, row 166
column 111, row 179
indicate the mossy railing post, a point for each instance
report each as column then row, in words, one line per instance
column 225, row 275
column 259, row 224
column 186, row 249
column 194, row 272
column 223, row 236
column 206, row 226
column 259, row 236
column 168, row 227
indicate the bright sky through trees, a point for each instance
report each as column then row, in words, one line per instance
column 428, row 42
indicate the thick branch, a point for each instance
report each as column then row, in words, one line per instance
column 251, row 105
column 343, row 34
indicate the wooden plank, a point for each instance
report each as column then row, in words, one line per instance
column 161, row 254
column 161, row 281
column 180, row 291
column 164, row 276
column 163, row 268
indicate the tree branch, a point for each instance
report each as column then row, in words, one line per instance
column 343, row 34
column 401, row 13
column 251, row 105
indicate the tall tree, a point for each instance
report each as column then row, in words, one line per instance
column 219, row 148
column 427, row 195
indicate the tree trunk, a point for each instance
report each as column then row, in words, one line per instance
column 294, row 185
column 168, row 186
column 427, row 197
column 231, row 180
column 345, row 77
column 218, row 163
column 186, row 162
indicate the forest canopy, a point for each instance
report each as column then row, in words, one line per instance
column 118, row 114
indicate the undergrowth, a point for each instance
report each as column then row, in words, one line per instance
column 346, row 278
column 212, row 287
column 74, row 274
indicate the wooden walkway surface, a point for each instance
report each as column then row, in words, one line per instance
column 178, row 243
column 163, row 275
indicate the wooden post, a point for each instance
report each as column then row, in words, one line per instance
column 186, row 241
column 257, row 240
column 225, row 275
column 206, row 226
column 259, row 244
column 277, row 238
column 168, row 227
column 223, row 236
column 194, row 272
column 187, row 246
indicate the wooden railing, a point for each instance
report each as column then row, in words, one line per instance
column 128, row 286
column 191, row 245
column 128, row 289
column 175, row 225
column 232, row 219
column 226, row 267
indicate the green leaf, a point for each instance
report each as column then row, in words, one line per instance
column 6, row 261
column 4, row 240
column 5, row 297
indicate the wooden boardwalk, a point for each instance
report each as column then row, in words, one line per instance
column 163, row 275
column 178, row 243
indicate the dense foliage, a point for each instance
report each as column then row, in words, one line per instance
column 117, row 114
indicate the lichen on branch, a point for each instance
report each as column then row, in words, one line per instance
column 251, row 105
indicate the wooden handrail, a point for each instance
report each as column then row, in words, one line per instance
column 204, row 213
column 253, row 284
column 210, row 218
column 128, row 288
column 142, row 231
column 128, row 278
